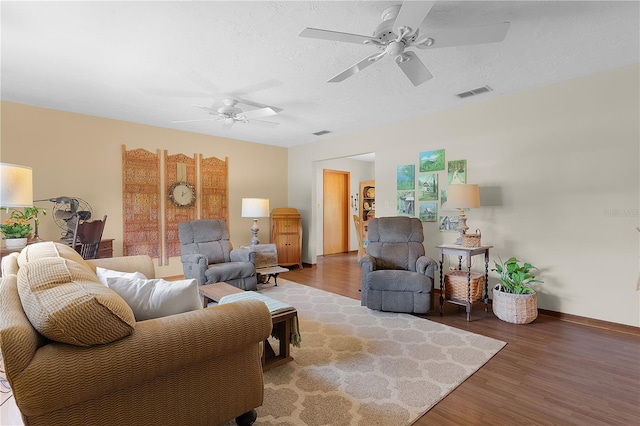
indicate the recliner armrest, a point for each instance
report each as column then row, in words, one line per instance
column 426, row 266
column 367, row 263
column 243, row 255
column 194, row 266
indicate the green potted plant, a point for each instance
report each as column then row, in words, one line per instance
column 514, row 300
column 15, row 231
column 32, row 213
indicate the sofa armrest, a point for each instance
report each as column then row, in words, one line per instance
column 194, row 266
column 157, row 347
column 140, row 263
column 426, row 266
column 243, row 255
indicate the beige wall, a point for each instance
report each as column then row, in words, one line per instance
column 79, row 155
column 558, row 171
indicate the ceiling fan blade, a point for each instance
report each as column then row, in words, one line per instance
column 193, row 121
column 257, row 105
column 412, row 14
column 414, row 69
column 263, row 123
column 262, row 112
column 206, row 108
column 334, row 36
column 355, row 68
column 492, row 33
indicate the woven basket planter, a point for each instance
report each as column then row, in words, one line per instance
column 456, row 285
column 515, row 308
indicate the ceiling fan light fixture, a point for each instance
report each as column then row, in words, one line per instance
column 395, row 48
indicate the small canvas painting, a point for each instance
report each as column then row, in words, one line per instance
column 443, row 199
column 428, row 186
column 448, row 223
column 457, row 173
column 406, row 177
column 432, row 161
column 428, row 212
column 406, row 203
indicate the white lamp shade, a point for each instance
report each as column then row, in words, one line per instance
column 463, row 196
column 255, row 207
column 16, row 186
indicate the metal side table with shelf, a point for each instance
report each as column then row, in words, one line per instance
column 467, row 253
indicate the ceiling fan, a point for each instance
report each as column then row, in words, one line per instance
column 399, row 30
column 230, row 114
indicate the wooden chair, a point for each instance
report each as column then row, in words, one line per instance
column 361, row 248
column 87, row 236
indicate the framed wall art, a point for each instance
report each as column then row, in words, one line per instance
column 405, row 203
column 428, row 211
column 428, row 186
column 406, row 177
column 457, row 172
column 448, row 223
column 432, row 161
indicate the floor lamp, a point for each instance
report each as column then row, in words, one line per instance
column 255, row 208
column 463, row 196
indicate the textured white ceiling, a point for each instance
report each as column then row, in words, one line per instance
column 148, row 62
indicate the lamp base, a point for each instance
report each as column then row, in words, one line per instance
column 254, row 230
column 462, row 226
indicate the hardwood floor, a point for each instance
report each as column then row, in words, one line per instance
column 551, row 372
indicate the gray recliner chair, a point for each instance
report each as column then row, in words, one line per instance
column 396, row 275
column 209, row 257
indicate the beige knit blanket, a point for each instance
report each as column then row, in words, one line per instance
column 275, row 307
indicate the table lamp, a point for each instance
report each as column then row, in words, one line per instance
column 16, row 186
column 255, row 208
column 463, row 196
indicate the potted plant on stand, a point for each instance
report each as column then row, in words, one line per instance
column 15, row 230
column 514, row 300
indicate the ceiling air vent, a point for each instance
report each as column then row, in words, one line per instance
column 321, row 132
column 473, row 92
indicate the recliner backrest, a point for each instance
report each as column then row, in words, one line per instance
column 206, row 236
column 396, row 242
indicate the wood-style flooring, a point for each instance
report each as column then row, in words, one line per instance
column 551, row 372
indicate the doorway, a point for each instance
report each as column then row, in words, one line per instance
column 335, row 211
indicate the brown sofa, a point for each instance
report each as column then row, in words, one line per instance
column 195, row 368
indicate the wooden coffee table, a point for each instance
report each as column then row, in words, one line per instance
column 281, row 325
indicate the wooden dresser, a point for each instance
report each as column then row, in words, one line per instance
column 286, row 234
column 105, row 249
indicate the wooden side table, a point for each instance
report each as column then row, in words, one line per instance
column 467, row 253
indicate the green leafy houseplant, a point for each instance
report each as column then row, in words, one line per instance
column 516, row 276
column 15, row 228
column 18, row 226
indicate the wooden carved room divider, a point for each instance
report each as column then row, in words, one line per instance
column 177, row 168
column 142, row 197
column 214, row 183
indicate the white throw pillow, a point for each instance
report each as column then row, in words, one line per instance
column 103, row 274
column 157, row 298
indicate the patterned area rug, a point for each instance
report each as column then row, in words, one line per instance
column 362, row 367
